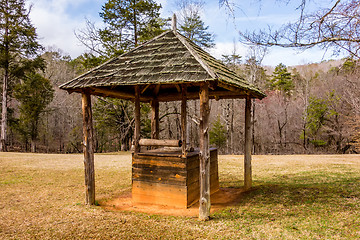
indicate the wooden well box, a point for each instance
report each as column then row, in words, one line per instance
column 165, row 178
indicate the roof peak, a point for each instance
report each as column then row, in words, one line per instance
column 174, row 23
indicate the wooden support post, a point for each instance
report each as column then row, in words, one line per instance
column 247, row 153
column 88, row 149
column 137, row 120
column 183, row 120
column 204, row 210
column 155, row 119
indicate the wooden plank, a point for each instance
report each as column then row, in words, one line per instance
column 160, row 142
column 193, row 189
column 162, row 154
column 164, row 199
column 88, row 147
column 183, row 119
column 204, row 209
column 164, row 172
column 247, row 154
column 155, row 119
column 173, row 179
column 215, row 185
column 156, row 168
column 174, row 159
column 193, row 179
column 148, row 162
column 193, row 174
column 157, row 193
column 193, row 193
column 214, row 180
column 192, row 162
column 137, row 120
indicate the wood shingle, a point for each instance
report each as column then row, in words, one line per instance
column 167, row 60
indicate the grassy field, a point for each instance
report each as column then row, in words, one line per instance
column 294, row 197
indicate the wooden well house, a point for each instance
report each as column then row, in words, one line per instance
column 169, row 67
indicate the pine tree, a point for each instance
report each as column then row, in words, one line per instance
column 127, row 23
column 194, row 28
column 126, row 20
column 282, row 80
column 218, row 134
column 34, row 93
column 18, row 40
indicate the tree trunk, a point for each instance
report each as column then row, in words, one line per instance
column 33, row 145
column 247, row 153
column 183, row 120
column 88, row 150
column 253, row 128
column 4, row 109
column 4, row 112
column 226, row 112
column 204, row 210
column 232, row 127
column 155, row 119
column 137, row 120
column 167, row 109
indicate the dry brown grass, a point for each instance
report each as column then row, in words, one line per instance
column 294, row 197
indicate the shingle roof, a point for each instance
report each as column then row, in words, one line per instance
column 168, row 59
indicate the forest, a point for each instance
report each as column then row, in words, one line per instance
column 312, row 108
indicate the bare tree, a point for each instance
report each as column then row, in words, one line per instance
column 334, row 27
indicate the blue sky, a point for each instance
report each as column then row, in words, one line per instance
column 57, row 20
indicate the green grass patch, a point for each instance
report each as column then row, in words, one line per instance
column 293, row 197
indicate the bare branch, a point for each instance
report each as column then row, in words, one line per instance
column 337, row 28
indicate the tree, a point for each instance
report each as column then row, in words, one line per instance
column 335, row 26
column 192, row 26
column 113, row 120
column 62, row 128
column 218, row 134
column 255, row 74
column 34, row 94
column 18, row 40
column 87, row 61
column 281, row 80
column 127, row 23
column 232, row 60
column 322, row 112
column 302, row 86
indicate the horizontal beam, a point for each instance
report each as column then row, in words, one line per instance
column 163, row 97
column 195, row 95
column 117, row 94
column 160, row 142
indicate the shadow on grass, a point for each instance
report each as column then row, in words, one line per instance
column 288, row 196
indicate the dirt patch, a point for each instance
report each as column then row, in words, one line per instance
column 225, row 197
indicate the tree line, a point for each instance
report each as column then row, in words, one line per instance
column 310, row 108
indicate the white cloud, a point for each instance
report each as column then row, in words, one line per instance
column 227, row 48
column 56, row 24
column 56, row 21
